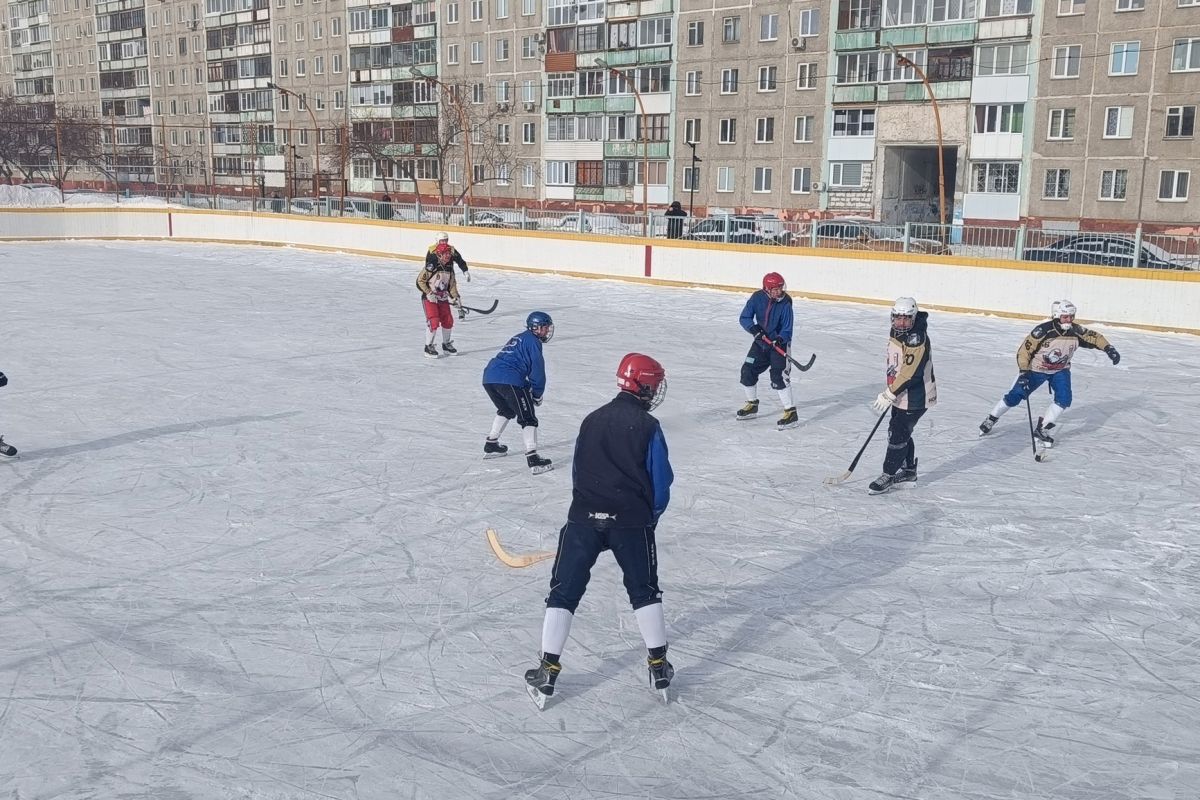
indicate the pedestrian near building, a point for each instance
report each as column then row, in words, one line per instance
column 383, row 209
column 675, row 216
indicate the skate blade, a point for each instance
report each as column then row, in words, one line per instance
column 1041, row 456
column 666, row 695
column 788, row 426
column 487, row 456
column 746, row 417
column 433, row 357
column 537, row 697
column 540, row 470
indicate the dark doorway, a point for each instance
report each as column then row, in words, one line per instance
column 910, row 184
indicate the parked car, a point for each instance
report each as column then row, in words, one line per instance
column 856, row 233
column 507, row 220
column 606, row 224
column 741, row 230
column 1108, row 250
column 303, row 205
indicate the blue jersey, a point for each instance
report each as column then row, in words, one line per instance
column 773, row 316
column 519, row 363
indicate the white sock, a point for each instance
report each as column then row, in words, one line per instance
column 497, row 427
column 529, row 433
column 445, row 336
column 785, row 397
column 429, row 337
column 652, row 625
column 1000, row 410
column 1052, row 414
column 751, row 393
column 556, row 627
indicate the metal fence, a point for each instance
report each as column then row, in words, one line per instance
column 1021, row 243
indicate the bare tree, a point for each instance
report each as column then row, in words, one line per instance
column 26, row 140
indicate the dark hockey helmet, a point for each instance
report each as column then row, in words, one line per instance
column 541, row 325
column 643, row 377
column 774, row 285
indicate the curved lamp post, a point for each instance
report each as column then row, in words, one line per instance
column 937, row 119
column 645, row 138
column 316, row 133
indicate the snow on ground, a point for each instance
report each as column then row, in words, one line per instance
column 242, row 554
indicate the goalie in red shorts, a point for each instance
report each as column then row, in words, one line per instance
column 438, row 290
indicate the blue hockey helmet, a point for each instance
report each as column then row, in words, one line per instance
column 542, row 326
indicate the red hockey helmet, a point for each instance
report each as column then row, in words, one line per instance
column 643, row 377
column 772, row 281
column 443, row 252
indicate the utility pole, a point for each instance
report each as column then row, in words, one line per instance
column 695, row 179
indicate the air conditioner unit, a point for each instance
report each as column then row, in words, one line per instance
column 539, row 37
column 798, row 43
column 502, row 108
column 819, row 186
column 530, row 106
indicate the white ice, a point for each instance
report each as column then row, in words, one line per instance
column 242, row 551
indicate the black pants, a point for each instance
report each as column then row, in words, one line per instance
column 580, row 545
column 900, row 448
column 759, row 360
column 513, row 401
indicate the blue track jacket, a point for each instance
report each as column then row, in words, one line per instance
column 519, row 363
column 773, row 316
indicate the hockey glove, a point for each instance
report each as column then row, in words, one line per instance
column 1110, row 351
column 1024, row 378
column 757, row 332
column 431, row 297
column 781, row 343
column 883, row 401
column 467, row 275
column 3, row 379
column 537, row 400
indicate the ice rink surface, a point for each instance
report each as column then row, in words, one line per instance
column 242, row 552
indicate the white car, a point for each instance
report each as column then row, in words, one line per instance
column 606, row 224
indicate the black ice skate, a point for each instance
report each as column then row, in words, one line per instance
column 660, row 670
column 7, row 449
column 1042, row 434
column 986, row 426
column 537, row 464
column 448, row 347
column 493, row 449
column 539, row 682
column 790, row 419
column 906, row 474
column 883, row 483
column 748, row 411
column 430, row 351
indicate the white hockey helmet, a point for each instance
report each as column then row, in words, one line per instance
column 904, row 313
column 443, row 237
column 1063, row 312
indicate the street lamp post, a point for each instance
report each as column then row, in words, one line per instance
column 695, row 176
column 316, row 133
column 463, row 123
column 937, row 119
column 645, row 139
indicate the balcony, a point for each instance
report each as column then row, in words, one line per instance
column 589, row 105
column 657, row 150
column 942, row 90
column 854, row 93
column 856, row 40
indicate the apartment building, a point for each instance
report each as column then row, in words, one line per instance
column 989, row 111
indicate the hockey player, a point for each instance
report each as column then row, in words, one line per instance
column 443, row 238
column 911, row 391
column 621, row 486
column 767, row 316
column 1045, row 357
column 515, row 380
column 6, row 449
column 438, row 290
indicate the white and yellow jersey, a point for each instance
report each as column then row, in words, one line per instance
column 1049, row 347
column 910, row 367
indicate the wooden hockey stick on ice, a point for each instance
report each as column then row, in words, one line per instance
column 845, row 476
column 516, row 562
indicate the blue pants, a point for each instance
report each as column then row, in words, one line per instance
column 1060, row 388
column 579, row 545
column 759, row 360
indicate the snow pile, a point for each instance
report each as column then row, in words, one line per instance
column 25, row 197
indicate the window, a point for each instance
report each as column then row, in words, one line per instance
column 904, row 12
column 801, row 180
column 1173, row 185
column 476, row 10
column 1132, row 5
column 1069, row 7
column 846, row 174
column 806, row 76
column 1057, row 185
column 1185, row 55
column 729, row 81
column 476, row 52
column 858, row 68
column 452, row 54
column 528, row 8
column 803, row 130
column 1118, row 122
column 528, row 133
column 527, row 176
column 893, row 70
column 1000, row 118
column 768, row 27
column 337, row 63
column 692, row 83
column 695, row 33
column 764, row 130
column 560, row 173
column 1113, row 184
column 501, row 9
column 300, row 67
column 762, row 179
column 725, row 179
column 654, row 32
column 691, row 179
column 1066, row 61
column 1005, row 59
column 810, row 22
column 1062, row 124
column 953, row 10
column 854, row 122
column 996, row 177
column 731, row 31
column 451, row 13
column 1181, row 122
column 503, row 133
column 335, row 26
column 1124, row 58
column 767, row 79
column 319, row 65
column 728, row 131
column 691, row 130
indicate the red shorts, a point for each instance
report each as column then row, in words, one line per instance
column 438, row 314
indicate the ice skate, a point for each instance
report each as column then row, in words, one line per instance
column 884, row 483
column 790, row 419
column 661, row 672
column 906, row 474
column 448, row 347
column 537, row 464
column 493, row 449
column 748, row 411
column 1042, row 434
column 430, row 351
column 539, row 682
column 986, row 426
column 7, row 449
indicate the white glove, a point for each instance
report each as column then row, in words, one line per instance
column 431, row 297
column 467, row 275
column 883, row 401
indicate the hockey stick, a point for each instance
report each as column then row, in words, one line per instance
column 516, row 562
column 795, row 363
column 481, row 310
column 1038, row 457
column 846, row 475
